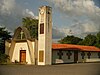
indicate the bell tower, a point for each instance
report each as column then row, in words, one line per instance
column 45, row 36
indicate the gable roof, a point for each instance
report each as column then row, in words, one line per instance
column 18, row 30
column 74, row 47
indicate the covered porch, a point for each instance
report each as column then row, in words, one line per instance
column 68, row 53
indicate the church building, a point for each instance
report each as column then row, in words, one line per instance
column 24, row 49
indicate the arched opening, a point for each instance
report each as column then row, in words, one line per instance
column 20, row 34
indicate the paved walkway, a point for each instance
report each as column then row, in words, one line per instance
column 62, row 69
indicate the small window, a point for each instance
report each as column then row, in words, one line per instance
column 99, row 55
column 41, row 56
column 42, row 28
column 60, row 54
column 88, row 54
column 69, row 54
column 82, row 54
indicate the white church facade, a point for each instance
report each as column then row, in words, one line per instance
column 28, row 50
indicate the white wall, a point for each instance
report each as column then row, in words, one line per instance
column 65, row 57
column 94, row 55
column 7, row 47
column 16, row 53
column 55, row 57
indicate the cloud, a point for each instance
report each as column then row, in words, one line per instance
column 76, row 7
column 29, row 13
column 6, row 6
column 57, row 34
column 85, row 15
column 11, row 14
column 80, row 29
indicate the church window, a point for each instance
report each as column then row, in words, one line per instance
column 60, row 54
column 98, row 54
column 21, row 35
column 88, row 54
column 69, row 54
column 42, row 28
column 82, row 54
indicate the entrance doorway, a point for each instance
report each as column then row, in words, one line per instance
column 23, row 56
column 75, row 56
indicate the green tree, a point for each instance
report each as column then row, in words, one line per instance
column 70, row 40
column 32, row 25
column 89, row 40
column 3, row 58
column 4, row 35
column 98, row 40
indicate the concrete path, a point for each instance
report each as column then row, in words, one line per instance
column 62, row 69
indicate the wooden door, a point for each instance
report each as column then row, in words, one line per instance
column 22, row 56
column 75, row 56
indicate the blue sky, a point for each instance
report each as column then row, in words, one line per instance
column 77, row 17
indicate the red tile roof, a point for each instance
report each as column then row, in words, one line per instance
column 74, row 47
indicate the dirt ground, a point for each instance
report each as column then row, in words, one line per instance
column 61, row 69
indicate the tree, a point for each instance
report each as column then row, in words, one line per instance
column 3, row 58
column 32, row 25
column 4, row 35
column 89, row 40
column 98, row 40
column 70, row 40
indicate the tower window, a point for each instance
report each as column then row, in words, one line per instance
column 41, row 56
column 42, row 28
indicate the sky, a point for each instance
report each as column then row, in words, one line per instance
column 70, row 17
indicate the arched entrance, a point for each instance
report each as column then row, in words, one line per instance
column 22, row 52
